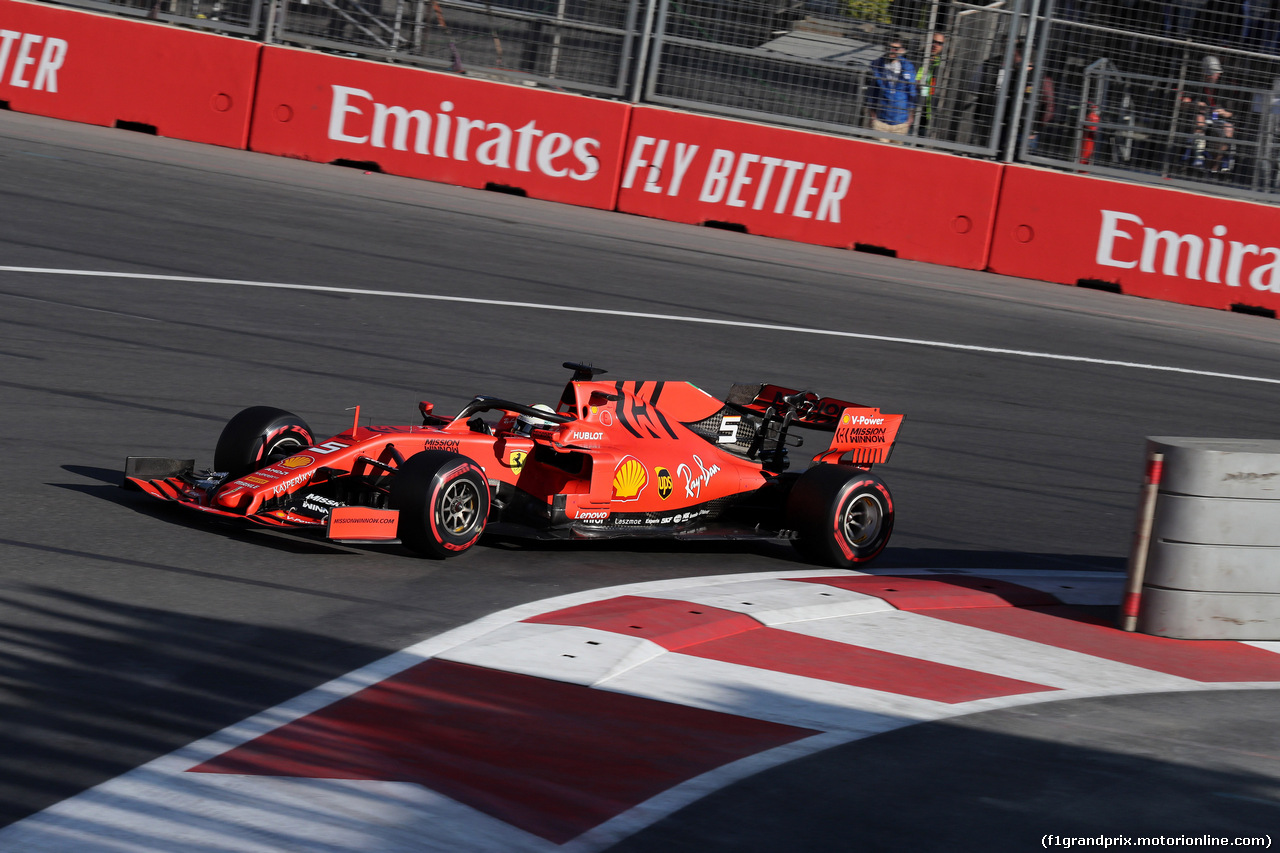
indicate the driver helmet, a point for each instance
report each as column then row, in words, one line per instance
column 526, row 424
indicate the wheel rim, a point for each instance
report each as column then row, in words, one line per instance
column 863, row 519
column 284, row 446
column 459, row 507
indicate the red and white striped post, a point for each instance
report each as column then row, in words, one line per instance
column 1141, row 542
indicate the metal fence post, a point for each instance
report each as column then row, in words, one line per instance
column 1017, row 140
column 642, row 51
column 269, row 25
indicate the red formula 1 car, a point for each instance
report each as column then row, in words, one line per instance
column 612, row 459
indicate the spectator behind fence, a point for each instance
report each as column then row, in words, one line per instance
column 991, row 76
column 892, row 93
column 1046, row 106
column 927, row 81
column 1258, row 30
column 1182, row 16
column 1210, row 122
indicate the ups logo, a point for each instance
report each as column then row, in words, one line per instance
column 664, row 482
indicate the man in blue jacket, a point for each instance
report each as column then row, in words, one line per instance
column 892, row 92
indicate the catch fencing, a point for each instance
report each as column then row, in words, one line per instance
column 232, row 17
column 822, row 65
column 1189, row 97
column 579, row 45
column 1115, row 89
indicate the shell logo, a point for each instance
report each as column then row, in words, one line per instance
column 629, row 479
column 296, row 462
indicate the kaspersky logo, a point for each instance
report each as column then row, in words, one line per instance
column 629, row 479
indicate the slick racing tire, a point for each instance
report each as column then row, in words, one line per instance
column 259, row 436
column 443, row 500
column 842, row 516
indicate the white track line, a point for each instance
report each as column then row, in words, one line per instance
column 641, row 315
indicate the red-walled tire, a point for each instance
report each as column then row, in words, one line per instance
column 843, row 517
column 443, row 500
column 258, row 436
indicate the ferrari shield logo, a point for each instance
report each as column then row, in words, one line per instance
column 664, row 482
column 515, row 461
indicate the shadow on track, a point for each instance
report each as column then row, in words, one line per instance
column 891, row 558
column 1162, row 764
column 95, row 694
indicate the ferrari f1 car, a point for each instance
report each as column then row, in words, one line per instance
column 612, row 459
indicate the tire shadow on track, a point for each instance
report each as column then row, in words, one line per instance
column 946, row 558
column 891, row 558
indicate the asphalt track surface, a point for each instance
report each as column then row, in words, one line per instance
column 128, row 629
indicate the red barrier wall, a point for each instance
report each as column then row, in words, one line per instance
column 809, row 187
column 1147, row 241
column 440, row 127
column 99, row 69
column 1152, row 242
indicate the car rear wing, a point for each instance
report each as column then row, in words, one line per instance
column 866, row 434
column 806, row 408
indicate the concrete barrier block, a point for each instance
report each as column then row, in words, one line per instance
column 1217, row 521
column 1205, row 562
column 1185, row 615
column 1214, row 568
column 1219, row 467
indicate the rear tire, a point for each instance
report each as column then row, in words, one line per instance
column 843, row 517
column 258, row 436
column 443, row 499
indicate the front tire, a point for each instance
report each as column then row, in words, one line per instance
column 258, row 436
column 443, row 499
column 843, row 517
